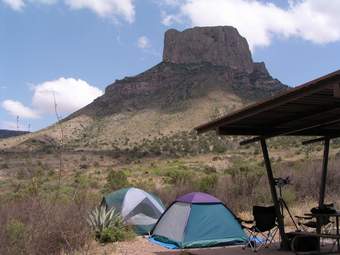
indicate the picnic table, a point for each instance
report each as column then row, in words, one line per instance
column 336, row 215
column 318, row 233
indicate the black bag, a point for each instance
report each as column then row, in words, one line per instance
column 300, row 243
column 326, row 209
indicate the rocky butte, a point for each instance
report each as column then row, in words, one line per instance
column 195, row 63
column 205, row 73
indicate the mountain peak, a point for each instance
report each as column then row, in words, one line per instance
column 206, row 72
column 221, row 46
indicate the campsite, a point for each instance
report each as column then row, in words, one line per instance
column 191, row 127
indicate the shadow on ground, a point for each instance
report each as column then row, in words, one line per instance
column 235, row 250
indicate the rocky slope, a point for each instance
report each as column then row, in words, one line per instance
column 205, row 72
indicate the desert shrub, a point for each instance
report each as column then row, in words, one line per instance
column 169, row 193
column 144, row 183
column 81, row 181
column 4, row 166
column 209, row 169
column 116, row 180
column 83, row 166
column 40, row 226
column 116, row 234
column 16, row 234
column 21, row 174
column 207, row 183
column 178, row 176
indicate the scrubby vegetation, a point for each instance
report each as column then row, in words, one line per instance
column 41, row 215
column 33, row 225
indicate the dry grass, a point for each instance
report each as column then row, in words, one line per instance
column 38, row 226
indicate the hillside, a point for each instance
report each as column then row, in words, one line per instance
column 205, row 72
column 4, row 133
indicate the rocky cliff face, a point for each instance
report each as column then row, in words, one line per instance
column 220, row 46
column 195, row 62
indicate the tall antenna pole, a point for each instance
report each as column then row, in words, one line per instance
column 17, row 122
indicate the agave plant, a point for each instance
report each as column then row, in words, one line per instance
column 100, row 219
column 108, row 225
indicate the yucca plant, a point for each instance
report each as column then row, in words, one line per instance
column 100, row 218
column 108, row 225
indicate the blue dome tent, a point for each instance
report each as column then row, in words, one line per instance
column 198, row 220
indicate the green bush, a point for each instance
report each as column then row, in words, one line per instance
column 178, row 176
column 115, row 234
column 208, row 183
column 116, row 180
column 16, row 234
column 106, row 236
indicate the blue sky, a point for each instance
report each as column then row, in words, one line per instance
column 76, row 48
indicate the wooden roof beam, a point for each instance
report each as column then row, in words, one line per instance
column 320, row 139
column 278, row 100
column 278, row 127
column 291, row 132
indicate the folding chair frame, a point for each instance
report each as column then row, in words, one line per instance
column 255, row 234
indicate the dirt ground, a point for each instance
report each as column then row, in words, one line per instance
column 141, row 246
column 138, row 246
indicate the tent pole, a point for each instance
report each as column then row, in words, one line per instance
column 324, row 172
column 284, row 242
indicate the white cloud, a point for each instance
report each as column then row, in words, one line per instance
column 16, row 108
column 8, row 125
column 143, row 42
column 11, row 125
column 70, row 95
column 48, row 2
column 16, row 5
column 106, row 8
column 314, row 20
column 171, row 2
column 169, row 19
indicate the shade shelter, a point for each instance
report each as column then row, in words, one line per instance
column 311, row 109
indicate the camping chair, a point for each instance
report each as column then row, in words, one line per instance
column 263, row 229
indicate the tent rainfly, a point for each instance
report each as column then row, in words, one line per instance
column 138, row 208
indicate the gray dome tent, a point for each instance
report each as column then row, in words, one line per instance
column 138, row 208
